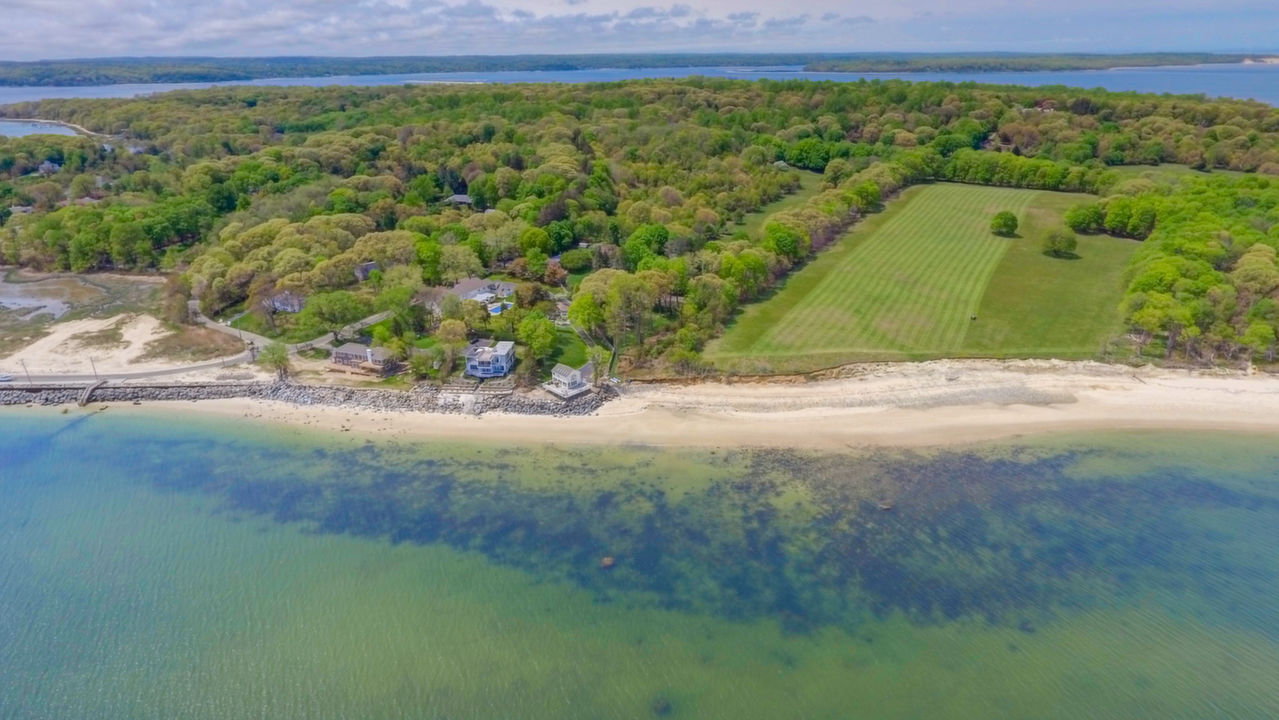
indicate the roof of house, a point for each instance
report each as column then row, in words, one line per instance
column 378, row 354
column 485, row 349
column 476, row 346
column 564, row 371
column 459, row 199
column 500, row 288
column 469, row 285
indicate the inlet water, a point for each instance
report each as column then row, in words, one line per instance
column 158, row 566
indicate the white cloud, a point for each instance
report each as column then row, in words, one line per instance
column 87, row 28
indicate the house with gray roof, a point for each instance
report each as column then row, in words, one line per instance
column 355, row 357
column 487, row 359
column 569, row 382
column 481, row 290
column 287, row 301
column 364, row 270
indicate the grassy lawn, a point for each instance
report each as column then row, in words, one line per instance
column 1038, row 306
column 1168, row 173
column 569, row 349
column 903, row 285
column 286, row 330
column 810, row 183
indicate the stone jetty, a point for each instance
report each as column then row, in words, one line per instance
column 426, row 399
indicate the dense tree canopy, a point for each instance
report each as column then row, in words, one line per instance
column 640, row 186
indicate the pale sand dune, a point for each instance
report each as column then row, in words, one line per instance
column 60, row 352
column 933, row 403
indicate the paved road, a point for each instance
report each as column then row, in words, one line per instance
column 261, row 341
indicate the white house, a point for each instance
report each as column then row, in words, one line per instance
column 486, row 359
column 567, row 382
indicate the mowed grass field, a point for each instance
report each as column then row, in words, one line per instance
column 905, row 283
column 810, row 183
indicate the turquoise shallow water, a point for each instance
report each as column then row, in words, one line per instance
column 156, row 567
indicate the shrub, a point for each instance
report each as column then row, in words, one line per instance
column 1060, row 243
column 577, row 260
column 1004, row 223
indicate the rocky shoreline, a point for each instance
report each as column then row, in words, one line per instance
column 425, row 399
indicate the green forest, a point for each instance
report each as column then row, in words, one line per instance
column 633, row 196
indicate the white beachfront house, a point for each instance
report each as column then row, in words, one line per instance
column 569, row 382
column 486, row 359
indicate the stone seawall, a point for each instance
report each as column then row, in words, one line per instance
column 424, row 399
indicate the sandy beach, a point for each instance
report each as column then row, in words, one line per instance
column 69, row 348
column 920, row 404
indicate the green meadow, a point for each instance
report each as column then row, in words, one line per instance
column 810, row 183
column 906, row 284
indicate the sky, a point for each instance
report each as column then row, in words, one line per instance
column 44, row 29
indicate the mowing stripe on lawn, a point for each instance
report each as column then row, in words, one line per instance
column 909, row 287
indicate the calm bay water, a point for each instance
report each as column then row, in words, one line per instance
column 1259, row 82
column 210, row 569
column 14, row 128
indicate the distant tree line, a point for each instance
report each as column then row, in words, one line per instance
column 109, row 71
column 1015, row 62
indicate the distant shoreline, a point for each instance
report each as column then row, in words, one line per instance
column 178, row 70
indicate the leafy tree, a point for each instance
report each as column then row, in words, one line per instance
column 1060, row 243
column 537, row 333
column 276, row 357
column 458, row 262
column 420, row 365
column 636, row 252
column 786, row 241
column 536, row 238
column 1004, row 223
column 586, row 312
column 535, row 262
column 475, row 315
column 452, row 332
column 809, row 153
column 451, row 307
column 1086, row 218
column 82, row 186
column 334, row 310
column 866, row 195
column 452, row 338
column 576, row 260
